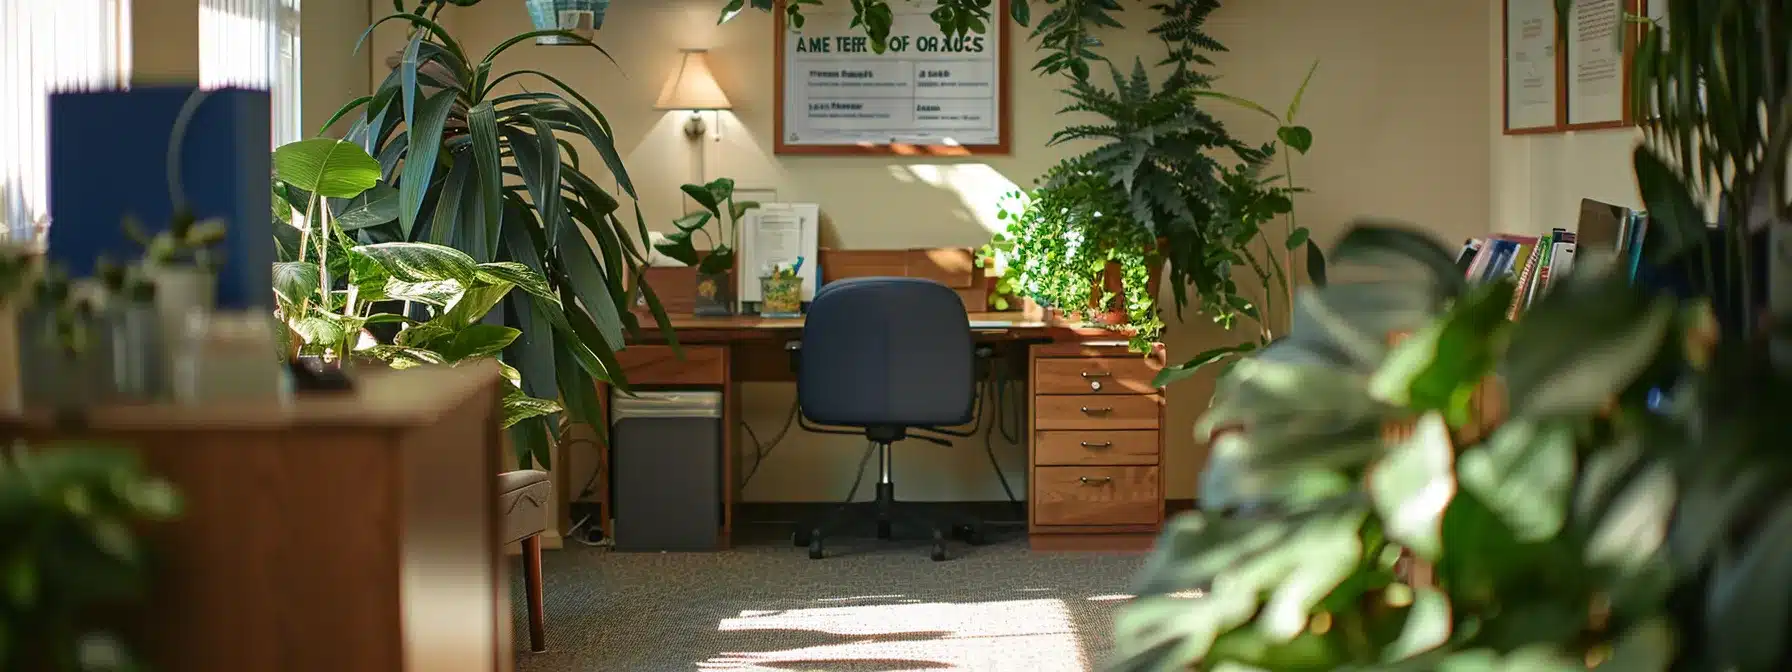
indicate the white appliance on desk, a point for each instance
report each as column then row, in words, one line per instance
column 778, row 233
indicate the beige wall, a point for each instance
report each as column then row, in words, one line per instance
column 333, row 73
column 1399, row 110
column 1539, row 180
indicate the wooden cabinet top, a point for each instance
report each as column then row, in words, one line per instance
column 380, row 398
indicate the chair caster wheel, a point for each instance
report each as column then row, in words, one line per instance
column 883, row 529
column 939, row 551
column 801, row 537
column 815, row 552
column 971, row 534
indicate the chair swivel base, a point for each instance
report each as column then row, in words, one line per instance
column 888, row 515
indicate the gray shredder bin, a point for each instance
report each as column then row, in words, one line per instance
column 668, row 470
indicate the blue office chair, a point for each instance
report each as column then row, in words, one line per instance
column 889, row 357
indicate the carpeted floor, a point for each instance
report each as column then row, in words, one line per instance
column 870, row 606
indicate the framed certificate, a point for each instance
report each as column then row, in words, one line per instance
column 1533, row 68
column 926, row 94
column 1597, row 67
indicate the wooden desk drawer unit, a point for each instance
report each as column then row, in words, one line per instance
column 1096, row 455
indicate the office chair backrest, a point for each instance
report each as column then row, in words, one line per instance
column 886, row 354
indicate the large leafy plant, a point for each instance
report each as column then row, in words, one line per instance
column 1377, row 503
column 68, row 514
column 496, row 176
column 329, row 289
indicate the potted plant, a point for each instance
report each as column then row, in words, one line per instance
column 449, row 133
column 130, row 335
column 1071, row 247
column 329, row 289
column 71, row 513
column 714, row 286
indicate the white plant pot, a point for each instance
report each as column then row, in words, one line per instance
column 183, row 294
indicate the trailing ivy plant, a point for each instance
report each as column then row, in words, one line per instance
column 1058, row 243
column 495, row 175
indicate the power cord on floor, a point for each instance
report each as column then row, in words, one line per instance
column 764, row 450
column 997, row 389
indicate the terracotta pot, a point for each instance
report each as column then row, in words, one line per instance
column 1112, row 281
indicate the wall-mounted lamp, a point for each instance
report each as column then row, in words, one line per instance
column 692, row 87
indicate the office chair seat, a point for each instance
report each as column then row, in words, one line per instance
column 887, row 356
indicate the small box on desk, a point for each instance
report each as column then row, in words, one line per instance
column 109, row 156
column 953, row 267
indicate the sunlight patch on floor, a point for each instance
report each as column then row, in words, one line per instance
column 1030, row 635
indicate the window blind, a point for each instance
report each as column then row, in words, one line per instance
column 254, row 44
column 48, row 46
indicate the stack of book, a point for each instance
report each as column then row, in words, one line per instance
column 1607, row 233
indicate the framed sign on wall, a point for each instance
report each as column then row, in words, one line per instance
column 927, row 93
column 1597, row 63
column 1533, row 67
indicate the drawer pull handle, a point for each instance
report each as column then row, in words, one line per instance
column 1096, row 374
column 1102, row 444
column 1101, row 410
column 1098, row 480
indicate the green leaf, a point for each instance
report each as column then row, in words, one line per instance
column 482, row 123
column 422, row 262
column 1020, row 11
column 1670, row 205
column 677, row 245
column 329, row 168
column 578, row 390
column 1315, row 264
column 1648, row 647
column 473, row 305
column 420, row 164
column 704, row 197
column 295, row 281
column 1413, row 485
column 478, row 340
column 1440, row 367
column 1427, row 625
column 1524, row 473
column 693, row 221
column 373, row 207
column 740, row 209
column 1297, row 238
column 1235, row 100
column 453, row 197
column 1294, row 105
column 519, row 407
column 404, row 357
column 547, row 191
column 1300, row 138
column 1332, row 552
column 1618, row 333
column 1173, row 373
column 517, row 274
column 1173, row 632
column 529, row 441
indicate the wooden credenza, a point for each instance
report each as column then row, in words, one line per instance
column 1095, row 460
column 351, row 532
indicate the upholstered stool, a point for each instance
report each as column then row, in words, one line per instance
column 523, row 497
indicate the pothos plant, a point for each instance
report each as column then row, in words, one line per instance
column 1480, row 494
column 1058, row 244
column 330, row 288
column 719, row 208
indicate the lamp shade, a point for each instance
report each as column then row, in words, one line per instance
column 692, row 87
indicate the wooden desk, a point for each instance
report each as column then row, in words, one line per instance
column 354, row 532
column 1094, row 451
